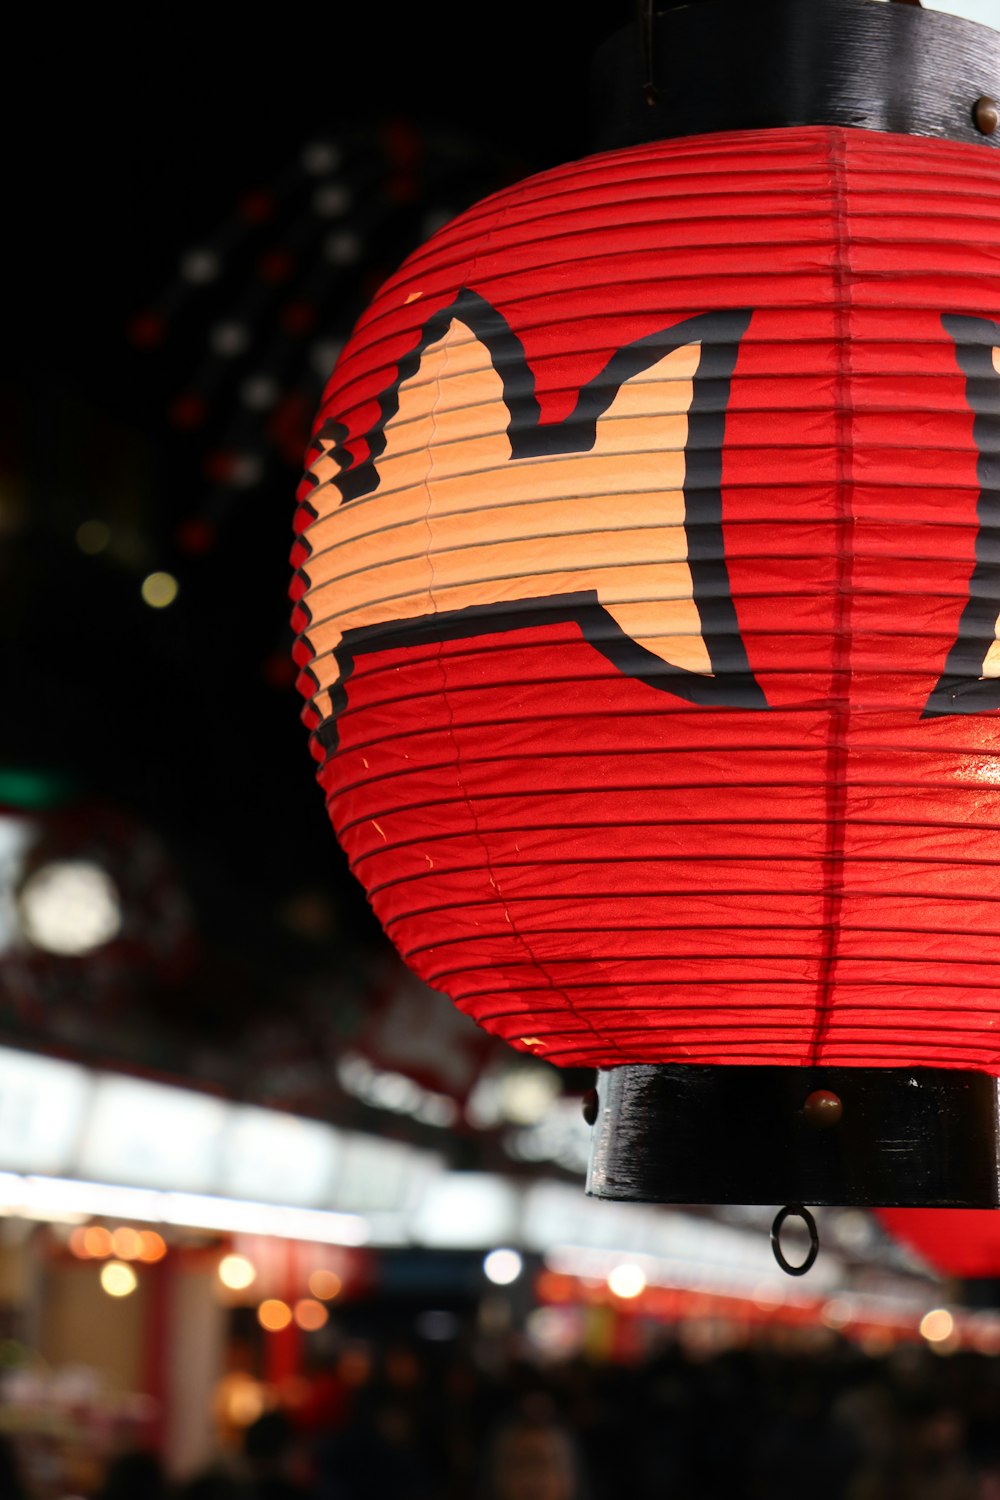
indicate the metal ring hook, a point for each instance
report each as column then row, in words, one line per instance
column 794, row 1210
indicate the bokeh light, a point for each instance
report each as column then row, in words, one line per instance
column 526, row 1094
column 97, row 1242
column 937, row 1326
column 93, row 537
column 274, row 1315
column 239, row 1399
column 311, row 1315
column 503, row 1266
column 237, row 1272
column 627, row 1280
column 118, row 1279
column 153, row 1246
column 325, row 1285
column 159, row 590
column 70, row 906
column 126, row 1243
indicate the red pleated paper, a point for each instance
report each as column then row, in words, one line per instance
column 648, row 579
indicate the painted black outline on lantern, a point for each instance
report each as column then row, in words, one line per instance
column 961, row 688
column 719, row 334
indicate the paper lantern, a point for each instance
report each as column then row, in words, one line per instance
column 647, row 599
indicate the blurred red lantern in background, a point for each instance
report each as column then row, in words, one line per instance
column 647, row 613
column 957, row 1242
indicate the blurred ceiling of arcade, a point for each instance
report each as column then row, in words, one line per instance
column 205, row 210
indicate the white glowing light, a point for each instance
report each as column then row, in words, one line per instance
column 324, row 356
column 70, row 906
column 43, row 1106
column 259, row 392
column 436, row 219
column 937, row 1325
column 331, row 199
column 461, row 1209
column 627, row 1280
column 503, row 1266
column 319, row 157
column 527, row 1094
column 246, row 470
column 394, row 1091
column 159, row 590
column 237, row 1272
column 60, row 1198
column 151, row 1135
column 203, row 1212
column 342, row 248
column 983, row 11
column 117, row 1279
column 229, row 338
column 200, row 267
column 268, row 1157
column 16, row 838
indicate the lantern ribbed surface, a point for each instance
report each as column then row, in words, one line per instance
column 647, row 586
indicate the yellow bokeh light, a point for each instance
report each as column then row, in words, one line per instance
column 325, row 1285
column 311, row 1315
column 126, row 1244
column 237, row 1273
column 118, row 1280
column 239, row 1399
column 937, row 1325
column 159, row 590
column 93, row 536
column 153, row 1246
column 97, row 1241
column 836, row 1314
column 274, row 1315
column 627, row 1281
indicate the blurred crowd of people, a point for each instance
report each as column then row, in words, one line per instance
column 745, row 1424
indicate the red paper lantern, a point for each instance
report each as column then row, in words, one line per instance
column 647, row 599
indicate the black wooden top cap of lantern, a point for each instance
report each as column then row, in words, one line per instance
column 754, row 64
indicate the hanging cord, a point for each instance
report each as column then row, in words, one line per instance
column 649, row 88
column 794, row 1211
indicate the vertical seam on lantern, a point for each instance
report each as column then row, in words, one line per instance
column 837, row 748
column 519, row 936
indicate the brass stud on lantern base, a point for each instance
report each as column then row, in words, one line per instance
column 822, row 1109
column 986, row 114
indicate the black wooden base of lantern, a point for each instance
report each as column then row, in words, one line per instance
column 869, row 1137
column 737, row 65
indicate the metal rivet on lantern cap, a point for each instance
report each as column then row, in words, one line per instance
column 822, row 1109
column 986, row 113
column 591, row 1105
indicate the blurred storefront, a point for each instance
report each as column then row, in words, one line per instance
column 174, row 1264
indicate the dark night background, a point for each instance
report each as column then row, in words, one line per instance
column 131, row 145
